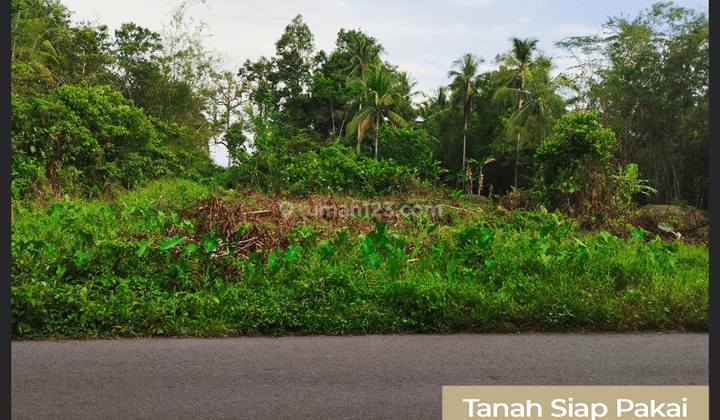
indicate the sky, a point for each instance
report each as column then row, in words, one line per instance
column 421, row 37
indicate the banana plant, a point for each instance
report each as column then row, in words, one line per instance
column 480, row 166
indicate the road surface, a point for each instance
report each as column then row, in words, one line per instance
column 320, row 377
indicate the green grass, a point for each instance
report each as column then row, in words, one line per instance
column 109, row 269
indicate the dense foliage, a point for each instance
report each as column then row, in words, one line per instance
column 651, row 86
column 577, row 158
column 86, row 137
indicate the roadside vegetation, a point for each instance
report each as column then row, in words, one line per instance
column 180, row 259
column 495, row 205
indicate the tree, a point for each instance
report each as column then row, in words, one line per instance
column 409, row 147
column 363, row 54
column 294, row 53
column 464, row 90
column 439, row 119
column 87, row 56
column 138, row 66
column 381, row 95
column 406, row 86
column 263, row 90
column 539, row 103
column 648, row 80
column 576, row 164
column 35, row 27
column 230, row 95
column 188, row 66
column 87, row 138
column 516, row 65
column 515, row 68
column 46, row 51
column 186, row 58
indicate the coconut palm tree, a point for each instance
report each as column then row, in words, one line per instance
column 518, row 63
column 464, row 90
column 381, row 95
column 440, row 98
column 406, row 87
column 363, row 54
column 539, row 101
column 516, row 71
column 433, row 104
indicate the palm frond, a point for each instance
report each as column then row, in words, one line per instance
column 358, row 119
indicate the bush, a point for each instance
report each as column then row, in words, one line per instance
column 408, row 147
column 335, row 169
column 340, row 170
column 576, row 170
column 578, row 139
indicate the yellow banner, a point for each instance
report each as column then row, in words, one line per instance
column 576, row 402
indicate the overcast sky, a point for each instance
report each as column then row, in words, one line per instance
column 422, row 37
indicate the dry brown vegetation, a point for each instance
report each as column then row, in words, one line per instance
column 690, row 223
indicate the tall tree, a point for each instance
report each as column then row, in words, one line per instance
column 464, row 90
column 38, row 29
column 294, row 64
column 364, row 52
column 539, row 102
column 406, row 85
column 381, row 95
column 188, row 66
column 363, row 55
column 516, row 69
column 439, row 120
column 263, row 89
column 230, row 95
column 138, row 66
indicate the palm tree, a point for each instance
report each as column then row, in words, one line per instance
column 440, row 100
column 379, row 86
column 517, row 73
column 406, row 85
column 434, row 104
column 539, row 101
column 363, row 55
column 464, row 90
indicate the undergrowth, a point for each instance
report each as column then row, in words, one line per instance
column 183, row 260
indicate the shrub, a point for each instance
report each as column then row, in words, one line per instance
column 576, row 169
column 408, row 147
column 335, row 169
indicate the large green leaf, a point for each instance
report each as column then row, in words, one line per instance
column 168, row 243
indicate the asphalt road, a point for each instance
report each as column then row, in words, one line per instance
column 361, row 377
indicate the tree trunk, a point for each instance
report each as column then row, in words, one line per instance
column 464, row 140
column 517, row 157
column 517, row 149
column 468, row 182
column 358, row 133
column 377, row 134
